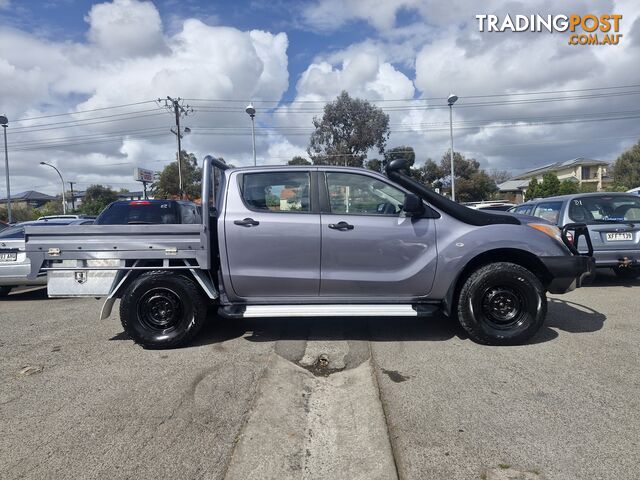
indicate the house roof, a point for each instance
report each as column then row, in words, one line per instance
column 513, row 185
column 29, row 196
column 559, row 165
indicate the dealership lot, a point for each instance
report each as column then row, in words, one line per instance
column 253, row 399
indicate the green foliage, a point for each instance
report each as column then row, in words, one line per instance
column 472, row 183
column 626, row 169
column 568, row 187
column 533, row 190
column 96, row 198
column 297, row 160
column 349, row 127
column 429, row 173
column 53, row 207
column 375, row 164
column 550, row 185
column 168, row 183
column 20, row 212
column 405, row 152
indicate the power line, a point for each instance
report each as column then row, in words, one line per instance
column 83, row 111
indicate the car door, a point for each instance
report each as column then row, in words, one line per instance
column 369, row 247
column 272, row 234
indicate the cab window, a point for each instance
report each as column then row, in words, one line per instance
column 350, row 193
column 276, row 191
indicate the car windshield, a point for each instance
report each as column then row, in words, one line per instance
column 605, row 209
column 139, row 212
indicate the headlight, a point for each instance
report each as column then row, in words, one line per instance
column 551, row 230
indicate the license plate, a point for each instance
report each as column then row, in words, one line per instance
column 619, row 237
column 8, row 257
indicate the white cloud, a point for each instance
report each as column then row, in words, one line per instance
column 143, row 63
column 126, row 28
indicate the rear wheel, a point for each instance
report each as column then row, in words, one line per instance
column 162, row 310
column 502, row 304
column 4, row 291
column 627, row 273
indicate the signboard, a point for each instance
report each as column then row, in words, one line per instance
column 142, row 175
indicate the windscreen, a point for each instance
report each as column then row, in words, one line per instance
column 139, row 213
column 605, row 209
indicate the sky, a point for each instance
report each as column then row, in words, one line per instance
column 80, row 82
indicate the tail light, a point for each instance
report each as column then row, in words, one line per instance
column 140, row 202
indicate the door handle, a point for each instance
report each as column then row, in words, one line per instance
column 341, row 226
column 247, row 222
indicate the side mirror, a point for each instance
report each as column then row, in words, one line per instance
column 413, row 206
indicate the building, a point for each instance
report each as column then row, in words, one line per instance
column 30, row 197
column 588, row 173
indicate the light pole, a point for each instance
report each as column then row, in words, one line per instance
column 451, row 100
column 4, row 121
column 251, row 111
column 64, row 202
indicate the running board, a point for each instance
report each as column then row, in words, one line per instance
column 349, row 310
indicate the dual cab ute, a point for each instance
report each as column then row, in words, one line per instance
column 316, row 241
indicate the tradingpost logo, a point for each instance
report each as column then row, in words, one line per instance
column 583, row 29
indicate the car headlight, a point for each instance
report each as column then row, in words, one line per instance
column 551, row 230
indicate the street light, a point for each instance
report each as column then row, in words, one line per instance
column 251, row 111
column 4, row 121
column 451, row 100
column 64, row 202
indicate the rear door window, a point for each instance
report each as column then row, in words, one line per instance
column 139, row 213
column 549, row 211
column 277, row 191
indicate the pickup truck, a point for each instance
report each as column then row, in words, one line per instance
column 316, row 241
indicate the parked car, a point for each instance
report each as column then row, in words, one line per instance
column 314, row 241
column 140, row 212
column 497, row 205
column 67, row 217
column 14, row 263
column 613, row 220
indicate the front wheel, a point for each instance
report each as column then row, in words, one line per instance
column 502, row 304
column 162, row 310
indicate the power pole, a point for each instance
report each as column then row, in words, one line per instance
column 179, row 110
column 73, row 197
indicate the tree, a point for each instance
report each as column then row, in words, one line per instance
column 168, row 184
column 428, row 173
column 349, row 127
column 298, row 160
column 533, row 190
column 52, row 207
column 626, row 169
column 472, row 183
column 568, row 187
column 550, row 185
column 96, row 198
column 405, row 152
column 479, row 186
column 20, row 212
column 499, row 176
column 375, row 164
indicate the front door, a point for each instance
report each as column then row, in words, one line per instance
column 369, row 247
column 272, row 235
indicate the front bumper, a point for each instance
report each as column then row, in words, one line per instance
column 568, row 272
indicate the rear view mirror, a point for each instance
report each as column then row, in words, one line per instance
column 413, row 206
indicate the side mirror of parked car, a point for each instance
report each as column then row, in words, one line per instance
column 413, row 206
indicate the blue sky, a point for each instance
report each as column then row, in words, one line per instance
column 70, row 57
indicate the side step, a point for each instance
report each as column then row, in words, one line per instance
column 340, row 310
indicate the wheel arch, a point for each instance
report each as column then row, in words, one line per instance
column 517, row 256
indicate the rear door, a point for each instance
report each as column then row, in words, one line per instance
column 272, row 234
column 369, row 247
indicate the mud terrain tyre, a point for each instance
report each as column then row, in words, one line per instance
column 502, row 304
column 162, row 310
